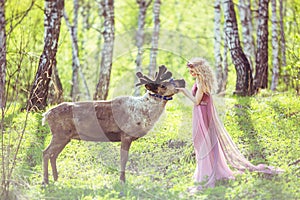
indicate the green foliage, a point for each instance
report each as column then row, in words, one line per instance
column 291, row 72
column 24, row 27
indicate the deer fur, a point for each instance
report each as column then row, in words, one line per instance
column 123, row 119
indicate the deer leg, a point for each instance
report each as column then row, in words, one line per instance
column 125, row 145
column 56, row 151
column 45, row 165
column 52, row 151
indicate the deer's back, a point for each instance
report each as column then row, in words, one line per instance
column 103, row 120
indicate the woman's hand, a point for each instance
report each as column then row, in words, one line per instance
column 181, row 90
column 187, row 93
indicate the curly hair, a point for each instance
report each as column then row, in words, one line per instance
column 204, row 73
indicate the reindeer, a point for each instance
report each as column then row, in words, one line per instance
column 123, row 119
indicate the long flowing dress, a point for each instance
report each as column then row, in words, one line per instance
column 214, row 148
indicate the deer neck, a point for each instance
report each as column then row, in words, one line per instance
column 157, row 98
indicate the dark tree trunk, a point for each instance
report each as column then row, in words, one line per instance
column 243, row 70
column 55, row 94
column 261, row 73
column 52, row 22
column 107, row 49
column 2, row 53
column 143, row 6
column 155, row 37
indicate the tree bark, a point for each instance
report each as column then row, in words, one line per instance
column 282, row 43
column 247, row 29
column 75, row 51
column 55, row 94
column 107, row 50
column 2, row 54
column 275, row 47
column 217, row 45
column 243, row 70
column 225, row 64
column 261, row 73
column 143, row 6
column 282, row 37
column 86, row 15
column 155, row 37
column 52, row 23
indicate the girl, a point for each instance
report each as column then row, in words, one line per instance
column 213, row 146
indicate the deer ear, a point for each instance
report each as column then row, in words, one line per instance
column 181, row 83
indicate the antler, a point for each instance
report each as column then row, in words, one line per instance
column 160, row 76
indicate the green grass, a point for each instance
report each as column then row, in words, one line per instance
column 161, row 165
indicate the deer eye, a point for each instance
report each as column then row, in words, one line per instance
column 163, row 87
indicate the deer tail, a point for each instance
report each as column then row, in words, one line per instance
column 45, row 115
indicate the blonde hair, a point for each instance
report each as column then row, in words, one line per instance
column 204, row 73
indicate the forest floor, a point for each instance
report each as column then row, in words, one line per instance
column 265, row 128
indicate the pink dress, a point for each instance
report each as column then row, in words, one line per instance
column 214, row 148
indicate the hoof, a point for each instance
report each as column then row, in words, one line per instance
column 45, row 183
column 122, row 177
column 121, row 194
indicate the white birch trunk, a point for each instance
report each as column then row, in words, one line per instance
column 247, row 29
column 143, row 6
column 217, row 45
column 155, row 37
column 275, row 47
column 225, row 64
column 75, row 51
column 107, row 50
column 282, row 43
column 52, row 22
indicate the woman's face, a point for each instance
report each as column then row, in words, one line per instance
column 191, row 69
column 192, row 72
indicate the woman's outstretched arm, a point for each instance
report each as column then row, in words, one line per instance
column 195, row 99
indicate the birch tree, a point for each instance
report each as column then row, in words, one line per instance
column 143, row 6
column 261, row 68
column 275, row 47
column 225, row 64
column 244, row 79
column 85, row 7
column 247, row 29
column 55, row 94
column 2, row 54
column 155, row 37
column 73, row 29
column 282, row 39
column 107, row 49
column 217, row 45
column 4, row 184
column 52, row 23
